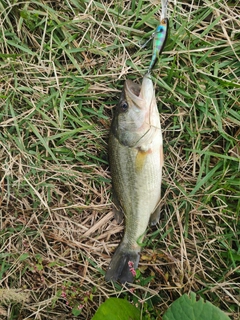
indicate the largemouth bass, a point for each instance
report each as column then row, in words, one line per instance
column 136, row 160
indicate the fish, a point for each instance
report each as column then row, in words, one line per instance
column 136, row 161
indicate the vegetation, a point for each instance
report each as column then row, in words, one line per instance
column 185, row 307
column 62, row 66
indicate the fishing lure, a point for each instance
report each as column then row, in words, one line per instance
column 159, row 36
column 159, row 40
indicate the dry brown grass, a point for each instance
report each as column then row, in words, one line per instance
column 62, row 66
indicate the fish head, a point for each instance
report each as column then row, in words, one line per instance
column 136, row 112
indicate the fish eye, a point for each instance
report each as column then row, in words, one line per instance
column 124, row 106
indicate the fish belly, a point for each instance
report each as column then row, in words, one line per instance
column 136, row 178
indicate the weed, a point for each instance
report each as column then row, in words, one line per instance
column 63, row 65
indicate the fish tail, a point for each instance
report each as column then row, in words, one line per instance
column 123, row 265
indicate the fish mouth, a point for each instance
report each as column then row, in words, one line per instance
column 132, row 92
column 140, row 95
column 133, row 87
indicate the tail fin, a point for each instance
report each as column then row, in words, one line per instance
column 122, row 265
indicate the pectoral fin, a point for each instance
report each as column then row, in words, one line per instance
column 141, row 158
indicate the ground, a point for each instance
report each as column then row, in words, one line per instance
column 63, row 65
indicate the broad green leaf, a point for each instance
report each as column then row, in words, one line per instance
column 117, row 309
column 188, row 308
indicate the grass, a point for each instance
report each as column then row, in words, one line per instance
column 62, row 66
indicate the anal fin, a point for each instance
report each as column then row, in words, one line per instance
column 155, row 216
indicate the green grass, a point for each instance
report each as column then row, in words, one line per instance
column 62, row 66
